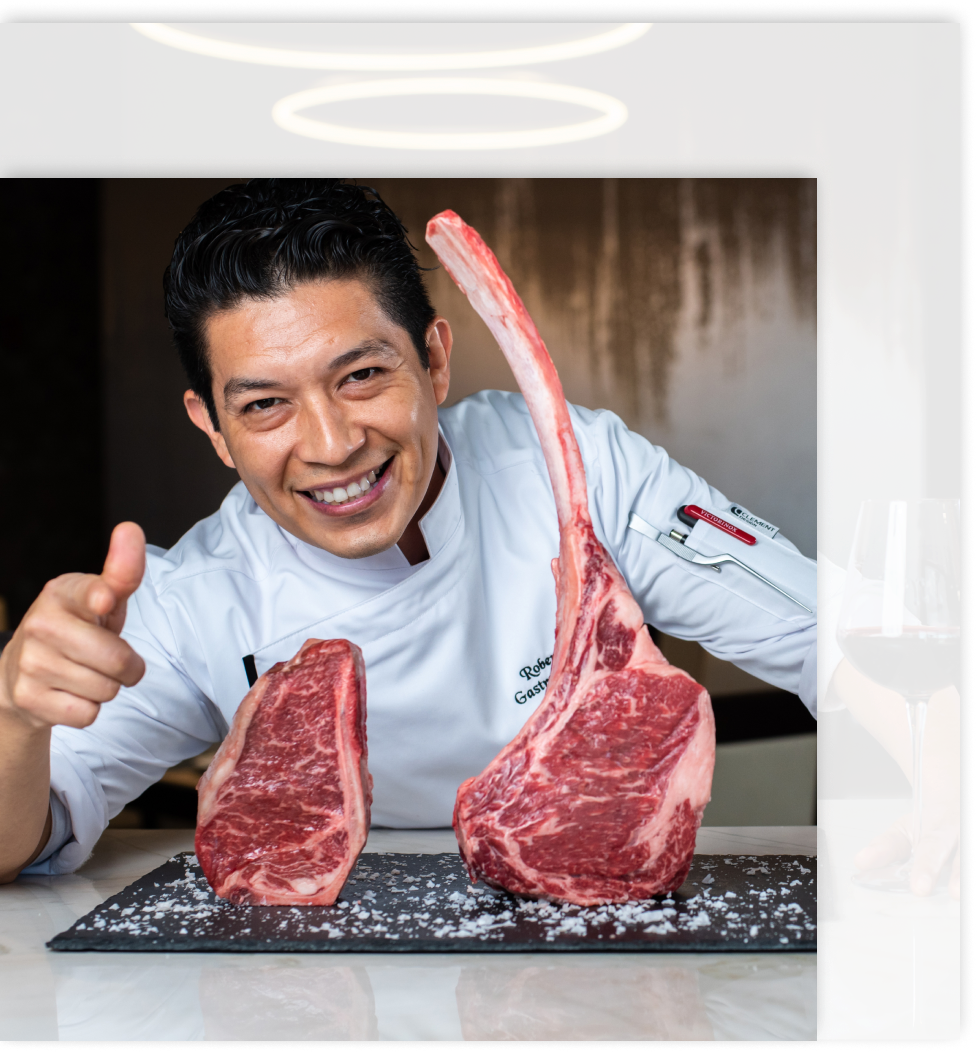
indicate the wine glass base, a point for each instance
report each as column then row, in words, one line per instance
column 892, row 878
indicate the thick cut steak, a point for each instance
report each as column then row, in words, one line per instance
column 599, row 796
column 284, row 808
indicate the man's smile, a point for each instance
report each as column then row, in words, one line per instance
column 352, row 494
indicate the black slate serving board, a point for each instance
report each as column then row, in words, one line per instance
column 826, row 892
column 426, row 903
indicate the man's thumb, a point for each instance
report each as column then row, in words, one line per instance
column 126, row 560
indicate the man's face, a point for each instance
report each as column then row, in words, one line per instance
column 326, row 412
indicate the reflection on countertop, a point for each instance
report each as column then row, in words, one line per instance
column 357, row 997
column 890, row 963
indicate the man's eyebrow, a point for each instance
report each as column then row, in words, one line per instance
column 365, row 350
column 241, row 385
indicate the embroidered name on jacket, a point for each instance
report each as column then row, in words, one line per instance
column 529, row 673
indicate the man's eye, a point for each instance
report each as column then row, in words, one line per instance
column 363, row 374
column 261, row 403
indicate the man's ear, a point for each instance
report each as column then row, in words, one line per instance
column 439, row 340
column 198, row 413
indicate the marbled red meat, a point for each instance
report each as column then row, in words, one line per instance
column 284, row 808
column 599, row 796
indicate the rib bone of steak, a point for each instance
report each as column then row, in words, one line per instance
column 599, row 796
column 284, row 808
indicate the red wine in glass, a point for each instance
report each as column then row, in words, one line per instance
column 900, row 621
column 916, row 663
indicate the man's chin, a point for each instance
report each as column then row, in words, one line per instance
column 359, row 552
column 354, row 547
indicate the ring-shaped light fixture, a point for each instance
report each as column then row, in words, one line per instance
column 393, row 63
column 287, row 114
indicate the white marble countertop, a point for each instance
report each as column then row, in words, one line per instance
column 889, row 964
column 545, row 996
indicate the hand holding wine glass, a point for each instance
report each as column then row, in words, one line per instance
column 900, row 627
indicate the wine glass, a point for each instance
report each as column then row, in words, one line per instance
column 900, row 622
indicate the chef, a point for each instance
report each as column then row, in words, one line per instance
column 317, row 366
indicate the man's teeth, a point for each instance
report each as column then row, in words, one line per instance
column 339, row 495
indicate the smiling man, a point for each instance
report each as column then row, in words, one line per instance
column 317, row 366
column 329, row 414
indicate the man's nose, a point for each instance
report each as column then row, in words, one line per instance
column 328, row 434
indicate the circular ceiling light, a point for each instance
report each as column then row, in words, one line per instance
column 392, row 62
column 287, row 114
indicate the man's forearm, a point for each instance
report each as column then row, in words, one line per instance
column 882, row 712
column 25, row 809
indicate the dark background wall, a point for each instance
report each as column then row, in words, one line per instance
column 51, row 468
column 687, row 306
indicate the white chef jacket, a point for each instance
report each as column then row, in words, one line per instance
column 456, row 648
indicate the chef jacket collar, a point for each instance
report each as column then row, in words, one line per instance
column 445, row 513
column 436, row 527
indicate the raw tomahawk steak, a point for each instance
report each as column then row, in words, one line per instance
column 599, row 796
column 284, row 808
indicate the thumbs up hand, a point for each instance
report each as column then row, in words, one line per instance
column 66, row 658
column 106, row 594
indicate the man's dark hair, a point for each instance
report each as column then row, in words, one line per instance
column 262, row 238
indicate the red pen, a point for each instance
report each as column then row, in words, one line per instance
column 693, row 512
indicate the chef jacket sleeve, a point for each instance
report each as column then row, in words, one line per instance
column 135, row 738
column 730, row 614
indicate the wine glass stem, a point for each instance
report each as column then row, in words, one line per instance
column 916, row 711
